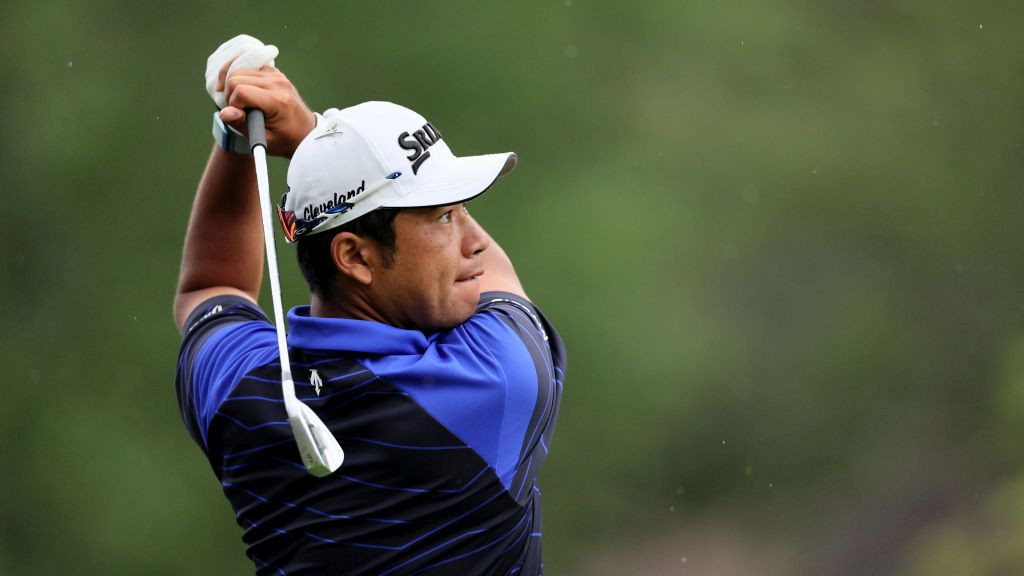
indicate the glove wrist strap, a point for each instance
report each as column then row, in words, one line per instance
column 228, row 138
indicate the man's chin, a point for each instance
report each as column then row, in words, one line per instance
column 455, row 318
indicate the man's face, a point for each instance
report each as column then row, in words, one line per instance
column 433, row 282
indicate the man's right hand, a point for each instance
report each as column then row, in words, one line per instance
column 287, row 117
column 240, row 74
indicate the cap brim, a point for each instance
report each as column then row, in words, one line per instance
column 463, row 179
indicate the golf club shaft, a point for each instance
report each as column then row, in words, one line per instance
column 258, row 140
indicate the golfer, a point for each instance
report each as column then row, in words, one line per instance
column 419, row 349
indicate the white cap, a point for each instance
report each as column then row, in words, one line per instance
column 377, row 155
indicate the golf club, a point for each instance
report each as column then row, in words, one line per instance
column 319, row 449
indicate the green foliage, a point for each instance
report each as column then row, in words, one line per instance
column 980, row 541
column 778, row 239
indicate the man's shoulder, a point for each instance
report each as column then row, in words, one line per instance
column 220, row 311
column 523, row 321
column 504, row 315
column 506, row 331
column 224, row 338
column 511, row 305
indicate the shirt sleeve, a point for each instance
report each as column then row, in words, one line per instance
column 527, row 321
column 223, row 338
column 506, row 364
column 526, row 433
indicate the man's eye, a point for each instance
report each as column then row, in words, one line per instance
column 446, row 217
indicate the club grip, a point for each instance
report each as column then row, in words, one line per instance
column 257, row 129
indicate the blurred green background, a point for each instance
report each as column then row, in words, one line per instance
column 777, row 237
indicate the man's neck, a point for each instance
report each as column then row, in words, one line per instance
column 356, row 308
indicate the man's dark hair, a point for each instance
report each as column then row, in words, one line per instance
column 314, row 252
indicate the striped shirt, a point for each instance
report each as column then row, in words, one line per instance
column 443, row 433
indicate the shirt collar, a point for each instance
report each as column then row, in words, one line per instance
column 349, row 335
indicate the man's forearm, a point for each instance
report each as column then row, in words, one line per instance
column 498, row 272
column 224, row 241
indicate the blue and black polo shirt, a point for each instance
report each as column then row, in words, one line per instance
column 443, row 433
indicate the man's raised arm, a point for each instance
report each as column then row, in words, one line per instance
column 223, row 251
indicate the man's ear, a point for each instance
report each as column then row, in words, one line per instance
column 352, row 256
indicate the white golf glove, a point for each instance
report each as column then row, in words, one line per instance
column 247, row 52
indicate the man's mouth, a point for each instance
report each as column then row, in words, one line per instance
column 471, row 276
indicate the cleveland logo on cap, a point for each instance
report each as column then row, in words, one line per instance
column 418, row 142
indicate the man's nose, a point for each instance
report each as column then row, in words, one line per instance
column 476, row 239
